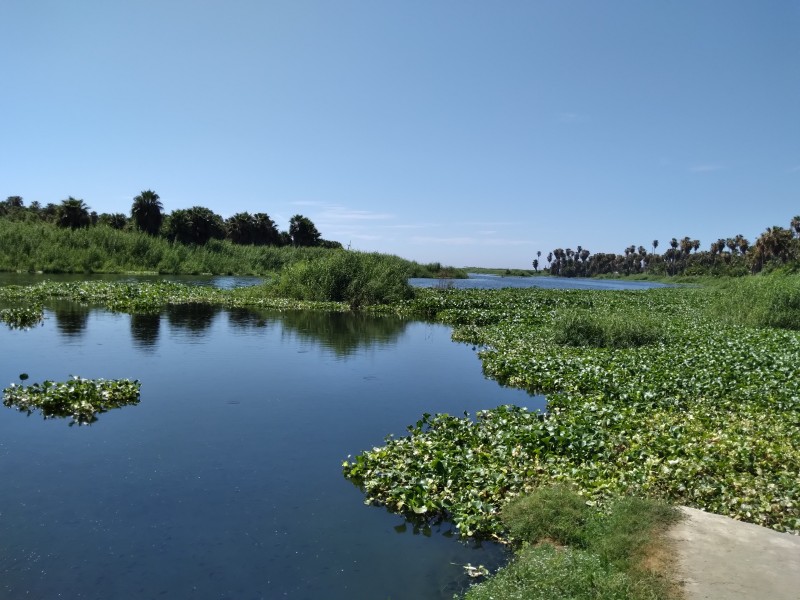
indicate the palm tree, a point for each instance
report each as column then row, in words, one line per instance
column 73, row 213
column 146, row 212
column 796, row 225
column 266, row 234
column 743, row 243
column 240, row 228
column 303, row 231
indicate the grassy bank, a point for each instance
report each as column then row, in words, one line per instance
column 43, row 247
column 566, row 550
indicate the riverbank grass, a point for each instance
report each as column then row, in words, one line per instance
column 571, row 550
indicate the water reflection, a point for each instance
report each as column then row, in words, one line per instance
column 145, row 329
column 71, row 319
column 245, row 318
column 194, row 319
column 343, row 333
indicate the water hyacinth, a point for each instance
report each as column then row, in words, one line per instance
column 23, row 317
column 705, row 414
column 78, row 398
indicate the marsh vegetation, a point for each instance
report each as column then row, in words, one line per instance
column 680, row 395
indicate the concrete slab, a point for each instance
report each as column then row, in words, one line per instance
column 719, row 558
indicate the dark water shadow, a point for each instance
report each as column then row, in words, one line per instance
column 194, row 319
column 71, row 318
column 145, row 329
column 343, row 333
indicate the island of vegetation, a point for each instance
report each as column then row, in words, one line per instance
column 660, row 397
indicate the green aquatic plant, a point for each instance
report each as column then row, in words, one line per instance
column 22, row 317
column 78, row 398
column 708, row 417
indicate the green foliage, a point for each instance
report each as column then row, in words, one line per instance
column 22, row 317
column 30, row 247
column 73, row 213
column 455, row 468
column 619, row 535
column 587, row 328
column 258, row 229
column 546, row 573
column 709, row 418
column 146, row 212
column 37, row 246
column 766, row 301
column 303, row 231
column 357, row 278
column 603, row 560
column 79, row 399
column 196, row 225
column 549, row 513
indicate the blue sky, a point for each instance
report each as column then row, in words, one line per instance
column 474, row 133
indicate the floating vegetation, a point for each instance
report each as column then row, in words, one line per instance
column 708, row 417
column 150, row 297
column 78, row 398
column 23, row 317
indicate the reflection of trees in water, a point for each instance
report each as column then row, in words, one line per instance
column 245, row 318
column 193, row 318
column 71, row 318
column 145, row 329
column 343, row 333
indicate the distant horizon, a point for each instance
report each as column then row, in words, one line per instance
column 457, row 132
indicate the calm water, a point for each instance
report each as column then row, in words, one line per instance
column 494, row 282
column 225, row 481
column 475, row 281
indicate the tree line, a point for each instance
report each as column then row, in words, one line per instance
column 196, row 225
column 777, row 247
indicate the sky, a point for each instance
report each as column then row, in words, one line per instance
column 471, row 133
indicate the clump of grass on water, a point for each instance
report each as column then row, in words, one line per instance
column 585, row 328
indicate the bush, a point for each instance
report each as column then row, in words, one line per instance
column 583, row 328
column 356, row 278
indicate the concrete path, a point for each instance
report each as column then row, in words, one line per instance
column 722, row 559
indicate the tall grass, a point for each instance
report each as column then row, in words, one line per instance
column 760, row 301
column 356, row 278
column 602, row 330
column 569, row 550
column 32, row 247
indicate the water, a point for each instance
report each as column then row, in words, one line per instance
column 494, row 282
column 475, row 281
column 225, row 481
